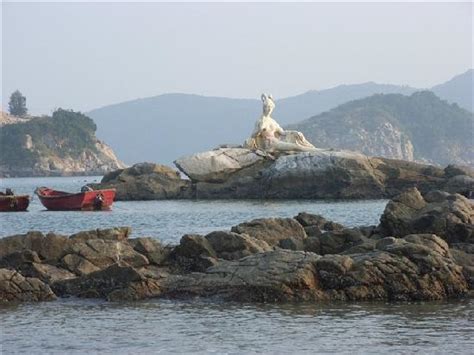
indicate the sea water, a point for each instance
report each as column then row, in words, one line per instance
column 201, row 326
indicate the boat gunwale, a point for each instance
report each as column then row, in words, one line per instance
column 68, row 194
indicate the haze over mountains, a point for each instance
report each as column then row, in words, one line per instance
column 165, row 127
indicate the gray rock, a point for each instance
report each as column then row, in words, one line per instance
column 314, row 220
column 271, row 230
column 146, row 181
column 194, row 253
column 99, row 284
column 338, row 241
column 218, row 164
column 417, row 267
column 14, row 287
column 151, row 248
column 78, row 264
column 18, row 258
column 450, row 216
column 233, row 246
column 113, row 234
column 292, row 244
column 322, row 174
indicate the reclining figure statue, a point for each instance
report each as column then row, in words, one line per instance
column 270, row 137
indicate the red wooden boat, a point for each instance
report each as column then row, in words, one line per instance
column 14, row 203
column 90, row 200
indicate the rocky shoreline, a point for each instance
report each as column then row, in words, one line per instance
column 238, row 173
column 423, row 249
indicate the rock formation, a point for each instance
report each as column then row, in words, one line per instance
column 320, row 174
column 423, row 249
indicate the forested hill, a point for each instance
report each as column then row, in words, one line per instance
column 63, row 144
column 419, row 127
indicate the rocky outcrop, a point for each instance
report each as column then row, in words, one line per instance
column 321, row 174
column 64, row 144
column 272, row 230
column 422, row 250
column 450, row 216
column 14, row 287
column 118, row 281
column 146, row 181
column 417, row 267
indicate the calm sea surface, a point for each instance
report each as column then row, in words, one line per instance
column 169, row 220
column 162, row 326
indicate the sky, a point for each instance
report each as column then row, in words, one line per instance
column 83, row 56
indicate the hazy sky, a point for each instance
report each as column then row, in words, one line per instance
column 85, row 55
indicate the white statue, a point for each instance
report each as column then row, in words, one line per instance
column 269, row 136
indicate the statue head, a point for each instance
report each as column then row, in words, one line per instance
column 268, row 104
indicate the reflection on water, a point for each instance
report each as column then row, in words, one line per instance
column 74, row 325
column 169, row 220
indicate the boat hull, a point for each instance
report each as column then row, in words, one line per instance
column 14, row 203
column 97, row 200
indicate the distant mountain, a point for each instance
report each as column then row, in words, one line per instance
column 293, row 109
column 459, row 89
column 165, row 127
column 419, row 127
column 64, row 144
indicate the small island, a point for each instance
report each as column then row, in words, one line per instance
column 278, row 164
column 58, row 145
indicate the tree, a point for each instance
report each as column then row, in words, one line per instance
column 17, row 104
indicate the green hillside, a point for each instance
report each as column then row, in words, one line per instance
column 64, row 143
column 419, row 127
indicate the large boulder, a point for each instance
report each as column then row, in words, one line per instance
column 103, row 253
column 273, row 276
column 233, row 246
column 154, row 251
column 29, row 264
column 46, row 273
column 116, row 282
column 14, row 287
column 49, row 247
column 314, row 223
column 450, row 216
column 146, row 181
column 463, row 254
column 271, row 230
column 78, row 264
column 115, row 234
column 16, row 259
column 194, row 253
column 336, row 242
column 217, row 165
